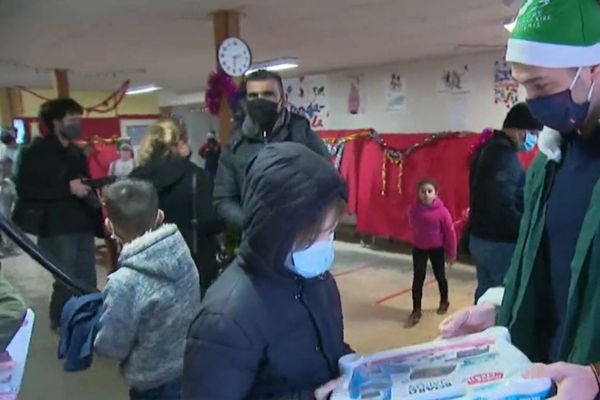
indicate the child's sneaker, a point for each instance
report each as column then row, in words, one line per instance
column 414, row 318
column 443, row 308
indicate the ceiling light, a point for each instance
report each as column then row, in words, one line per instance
column 278, row 64
column 143, row 89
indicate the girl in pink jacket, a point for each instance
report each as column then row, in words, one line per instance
column 434, row 239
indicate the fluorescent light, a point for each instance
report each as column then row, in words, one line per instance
column 143, row 89
column 279, row 64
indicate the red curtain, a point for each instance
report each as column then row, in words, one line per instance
column 446, row 161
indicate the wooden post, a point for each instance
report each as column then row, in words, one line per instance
column 61, row 83
column 226, row 23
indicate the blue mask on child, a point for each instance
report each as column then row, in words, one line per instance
column 529, row 142
column 315, row 260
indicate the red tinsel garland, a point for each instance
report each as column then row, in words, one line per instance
column 219, row 86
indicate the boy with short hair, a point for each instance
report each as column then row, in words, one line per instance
column 150, row 301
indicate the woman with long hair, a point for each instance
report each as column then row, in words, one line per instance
column 185, row 193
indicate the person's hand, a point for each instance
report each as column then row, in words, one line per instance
column 572, row 381
column 78, row 188
column 323, row 392
column 450, row 261
column 468, row 320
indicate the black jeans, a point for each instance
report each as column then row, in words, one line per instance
column 438, row 262
column 168, row 391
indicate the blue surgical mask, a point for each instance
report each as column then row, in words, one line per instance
column 529, row 142
column 314, row 260
column 559, row 111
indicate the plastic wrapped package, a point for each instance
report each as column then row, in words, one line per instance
column 483, row 366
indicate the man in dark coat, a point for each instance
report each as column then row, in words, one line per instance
column 263, row 330
column 51, row 179
column 267, row 121
column 497, row 179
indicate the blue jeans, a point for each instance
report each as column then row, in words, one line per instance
column 492, row 260
column 75, row 255
column 168, row 391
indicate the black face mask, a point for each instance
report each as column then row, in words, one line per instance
column 263, row 112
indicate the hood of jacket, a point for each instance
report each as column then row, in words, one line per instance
column 149, row 254
column 287, row 186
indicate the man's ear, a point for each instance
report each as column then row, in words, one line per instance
column 160, row 218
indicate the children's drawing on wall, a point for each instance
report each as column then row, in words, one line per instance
column 308, row 96
column 454, row 80
column 395, row 94
column 356, row 96
column 506, row 89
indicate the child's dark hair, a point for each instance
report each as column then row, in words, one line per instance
column 58, row 109
column 132, row 206
column 427, row 181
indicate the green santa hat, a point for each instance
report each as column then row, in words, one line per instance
column 556, row 34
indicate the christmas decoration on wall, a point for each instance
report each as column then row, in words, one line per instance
column 506, row 89
column 107, row 105
column 220, row 86
column 390, row 155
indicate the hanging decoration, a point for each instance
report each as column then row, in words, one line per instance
column 220, row 86
column 107, row 105
column 390, row 154
column 94, row 140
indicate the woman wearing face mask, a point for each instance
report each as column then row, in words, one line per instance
column 271, row 326
column 496, row 180
column 184, row 191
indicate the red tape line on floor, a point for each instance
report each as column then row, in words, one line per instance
column 402, row 292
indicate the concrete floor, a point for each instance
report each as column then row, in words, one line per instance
column 375, row 289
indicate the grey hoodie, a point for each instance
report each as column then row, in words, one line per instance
column 149, row 303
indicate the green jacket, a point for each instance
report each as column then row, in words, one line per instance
column 526, row 283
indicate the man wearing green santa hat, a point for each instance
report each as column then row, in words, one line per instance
column 551, row 297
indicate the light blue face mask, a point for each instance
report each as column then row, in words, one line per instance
column 315, row 260
column 529, row 142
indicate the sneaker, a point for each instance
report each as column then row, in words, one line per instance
column 443, row 308
column 414, row 318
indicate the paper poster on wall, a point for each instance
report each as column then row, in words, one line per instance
column 454, row 80
column 458, row 112
column 506, row 89
column 308, row 96
column 356, row 95
column 395, row 94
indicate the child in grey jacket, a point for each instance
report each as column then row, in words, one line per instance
column 151, row 299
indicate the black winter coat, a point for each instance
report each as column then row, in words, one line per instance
column 264, row 332
column 243, row 146
column 43, row 178
column 497, row 179
column 172, row 178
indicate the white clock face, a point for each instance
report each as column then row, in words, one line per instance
column 234, row 56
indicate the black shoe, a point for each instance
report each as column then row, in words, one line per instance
column 414, row 318
column 443, row 308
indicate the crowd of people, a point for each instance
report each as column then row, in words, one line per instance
column 271, row 325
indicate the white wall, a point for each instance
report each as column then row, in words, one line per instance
column 426, row 109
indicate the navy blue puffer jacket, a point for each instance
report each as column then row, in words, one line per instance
column 264, row 332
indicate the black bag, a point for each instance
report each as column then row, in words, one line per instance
column 29, row 216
